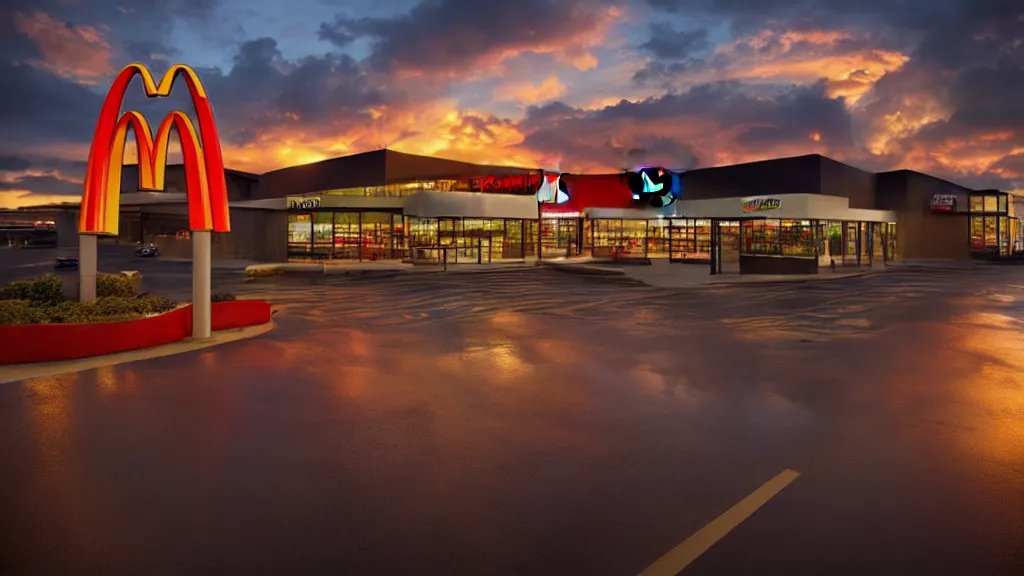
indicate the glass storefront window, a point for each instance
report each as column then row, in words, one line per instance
column 977, row 203
column 1004, row 235
column 683, row 239
column 300, row 233
column 990, row 231
column 634, row 238
column 376, row 242
column 1004, row 203
column 346, row 235
column 977, row 232
column 778, row 238
column 657, row 237
column 761, row 237
column 991, row 203
column 323, row 223
column 607, row 237
column 559, row 236
column 703, row 235
column 890, row 239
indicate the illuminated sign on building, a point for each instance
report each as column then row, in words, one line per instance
column 204, row 164
column 553, row 190
column 761, row 204
column 300, row 203
column 655, row 187
column 943, row 202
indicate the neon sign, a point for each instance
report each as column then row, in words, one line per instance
column 655, row 187
column 553, row 190
column 204, row 163
column 515, row 182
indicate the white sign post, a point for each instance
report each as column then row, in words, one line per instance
column 87, row 265
column 201, row 284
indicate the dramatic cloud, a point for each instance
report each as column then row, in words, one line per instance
column 708, row 124
column 670, row 44
column 68, row 50
column 457, row 37
column 933, row 85
column 13, row 164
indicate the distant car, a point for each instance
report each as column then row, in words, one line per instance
column 148, row 251
column 66, row 263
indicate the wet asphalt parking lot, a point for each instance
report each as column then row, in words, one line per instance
column 529, row 422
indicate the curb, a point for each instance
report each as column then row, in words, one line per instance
column 583, row 269
column 18, row 372
column 797, row 280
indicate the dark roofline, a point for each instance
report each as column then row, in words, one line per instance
column 908, row 172
column 765, row 161
column 239, row 173
column 387, row 151
column 489, row 166
column 243, row 174
column 324, row 161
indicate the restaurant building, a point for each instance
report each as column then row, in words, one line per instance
column 787, row 215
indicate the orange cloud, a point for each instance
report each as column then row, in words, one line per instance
column 11, row 199
column 527, row 93
column 806, row 56
column 68, row 50
column 583, row 30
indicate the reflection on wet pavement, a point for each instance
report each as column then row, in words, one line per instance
column 534, row 423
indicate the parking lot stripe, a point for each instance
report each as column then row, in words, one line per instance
column 682, row 555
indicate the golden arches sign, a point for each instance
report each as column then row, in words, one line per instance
column 204, row 163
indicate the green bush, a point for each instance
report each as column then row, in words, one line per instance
column 17, row 290
column 117, row 305
column 46, row 289
column 110, row 309
column 222, row 297
column 20, row 312
column 108, row 285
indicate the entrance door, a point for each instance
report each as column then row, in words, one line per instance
column 729, row 237
column 558, row 237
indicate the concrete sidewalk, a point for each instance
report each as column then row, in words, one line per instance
column 664, row 274
column 16, row 372
column 378, row 268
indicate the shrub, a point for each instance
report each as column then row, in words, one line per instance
column 17, row 290
column 46, row 289
column 108, row 285
column 222, row 297
column 119, row 305
column 70, row 312
column 20, row 312
column 110, row 309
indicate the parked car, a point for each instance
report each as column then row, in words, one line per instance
column 148, row 251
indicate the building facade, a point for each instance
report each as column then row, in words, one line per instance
column 786, row 215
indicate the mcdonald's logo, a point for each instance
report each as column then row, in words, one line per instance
column 204, row 164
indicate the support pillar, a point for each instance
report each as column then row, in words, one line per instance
column 201, row 284
column 87, row 261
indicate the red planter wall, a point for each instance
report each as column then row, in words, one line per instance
column 52, row 342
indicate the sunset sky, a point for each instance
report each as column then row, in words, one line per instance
column 576, row 85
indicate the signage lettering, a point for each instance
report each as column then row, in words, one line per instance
column 304, row 204
column 943, row 202
column 761, row 204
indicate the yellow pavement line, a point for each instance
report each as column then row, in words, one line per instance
column 682, row 555
column 18, row 372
